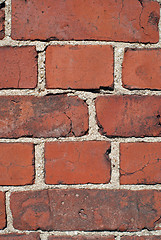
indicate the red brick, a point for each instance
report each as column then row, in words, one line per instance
column 87, row 210
column 141, row 238
column 48, row 116
column 81, row 238
column 127, row 116
column 31, row 236
column 2, row 21
column 142, row 69
column 2, row 211
column 140, row 163
column 16, row 165
column 128, row 20
column 79, row 67
column 77, row 162
column 18, row 67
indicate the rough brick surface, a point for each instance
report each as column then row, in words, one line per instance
column 82, row 209
column 140, row 163
column 16, row 163
column 128, row 116
column 128, row 20
column 31, row 236
column 65, row 67
column 49, row 116
column 2, row 211
column 2, row 21
column 141, row 238
column 81, row 238
column 77, row 162
column 79, row 67
column 142, row 69
column 18, row 67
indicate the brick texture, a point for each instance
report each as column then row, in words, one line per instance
column 142, row 69
column 17, row 163
column 128, row 20
column 77, row 162
column 128, row 116
column 141, row 238
column 18, row 67
column 2, row 211
column 49, row 116
column 81, row 238
column 86, row 210
column 31, row 236
column 2, row 21
column 80, row 119
column 140, row 163
column 79, row 67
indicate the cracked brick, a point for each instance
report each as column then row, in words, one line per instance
column 77, row 162
column 48, row 116
column 140, row 163
column 79, row 67
column 16, row 163
column 86, row 210
column 18, row 67
column 82, row 19
column 128, row 116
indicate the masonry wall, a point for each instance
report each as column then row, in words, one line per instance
column 80, row 119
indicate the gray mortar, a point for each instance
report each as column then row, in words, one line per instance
column 94, row 134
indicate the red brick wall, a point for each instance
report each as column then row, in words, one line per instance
column 80, row 120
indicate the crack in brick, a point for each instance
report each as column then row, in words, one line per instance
column 141, row 169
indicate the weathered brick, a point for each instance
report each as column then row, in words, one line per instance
column 2, row 211
column 2, row 21
column 16, row 165
column 142, row 69
column 48, row 116
column 88, row 210
column 77, row 162
column 128, row 20
column 81, row 238
column 140, row 163
column 79, row 67
column 141, row 238
column 128, row 116
column 18, row 67
column 30, row 236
